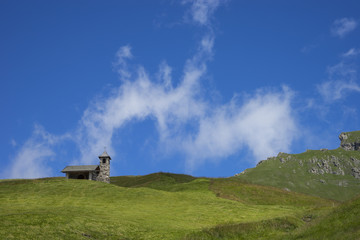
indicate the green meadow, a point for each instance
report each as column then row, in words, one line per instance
column 156, row 206
column 311, row 195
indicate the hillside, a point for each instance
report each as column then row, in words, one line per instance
column 332, row 174
column 155, row 206
column 291, row 196
column 341, row 223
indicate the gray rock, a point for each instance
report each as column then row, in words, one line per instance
column 355, row 172
column 314, row 170
column 325, row 165
column 301, row 163
column 338, row 172
column 355, row 161
column 348, row 146
column 343, row 136
column 314, row 160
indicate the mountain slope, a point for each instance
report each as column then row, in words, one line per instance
column 79, row 209
column 341, row 223
column 332, row 174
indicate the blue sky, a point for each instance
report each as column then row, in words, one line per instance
column 204, row 87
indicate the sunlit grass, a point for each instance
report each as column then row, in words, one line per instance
column 168, row 207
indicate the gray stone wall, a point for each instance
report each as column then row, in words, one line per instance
column 104, row 174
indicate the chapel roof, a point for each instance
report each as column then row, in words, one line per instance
column 80, row 168
column 104, row 155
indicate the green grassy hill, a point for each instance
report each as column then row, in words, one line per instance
column 156, row 206
column 341, row 223
column 332, row 174
column 291, row 196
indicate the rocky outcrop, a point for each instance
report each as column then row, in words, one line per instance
column 355, row 172
column 350, row 141
column 323, row 161
column 330, row 164
column 284, row 157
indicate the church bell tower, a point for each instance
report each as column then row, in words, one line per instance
column 104, row 174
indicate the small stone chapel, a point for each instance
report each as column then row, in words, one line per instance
column 99, row 172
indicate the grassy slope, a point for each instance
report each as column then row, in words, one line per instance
column 296, row 177
column 252, row 194
column 169, row 207
column 342, row 223
column 274, row 228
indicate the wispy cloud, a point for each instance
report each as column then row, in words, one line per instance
column 342, row 80
column 351, row 53
column 335, row 90
column 264, row 119
column 141, row 98
column 164, row 75
column 341, row 27
column 32, row 159
column 264, row 123
column 120, row 64
column 202, row 10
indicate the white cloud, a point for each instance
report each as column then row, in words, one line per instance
column 165, row 75
column 342, row 70
column 341, row 27
column 142, row 98
column 335, row 90
column 264, row 123
column 122, row 55
column 351, row 53
column 342, row 80
column 32, row 159
column 202, row 10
